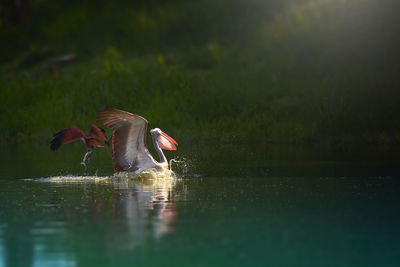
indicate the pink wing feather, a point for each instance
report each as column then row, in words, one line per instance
column 128, row 140
column 66, row 136
column 98, row 133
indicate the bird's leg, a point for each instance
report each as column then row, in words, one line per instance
column 87, row 156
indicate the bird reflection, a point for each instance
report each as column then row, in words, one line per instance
column 105, row 215
column 141, row 210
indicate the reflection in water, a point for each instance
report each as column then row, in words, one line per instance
column 113, row 213
column 142, row 209
column 255, row 207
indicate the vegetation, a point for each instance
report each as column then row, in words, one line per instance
column 223, row 71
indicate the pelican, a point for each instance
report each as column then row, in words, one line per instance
column 73, row 133
column 129, row 150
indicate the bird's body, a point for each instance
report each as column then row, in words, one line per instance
column 129, row 150
column 91, row 140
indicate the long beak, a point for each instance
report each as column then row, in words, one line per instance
column 166, row 142
column 169, row 138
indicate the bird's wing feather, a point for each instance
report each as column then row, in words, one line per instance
column 94, row 142
column 66, row 136
column 97, row 132
column 128, row 140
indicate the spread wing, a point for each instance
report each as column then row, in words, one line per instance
column 66, row 136
column 98, row 133
column 94, row 142
column 128, row 139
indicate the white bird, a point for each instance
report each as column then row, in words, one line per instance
column 129, row 150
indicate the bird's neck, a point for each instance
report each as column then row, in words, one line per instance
column 159, row 151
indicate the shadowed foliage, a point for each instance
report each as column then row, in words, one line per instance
column 226, row 71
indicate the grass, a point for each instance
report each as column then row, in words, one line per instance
column 225, row 71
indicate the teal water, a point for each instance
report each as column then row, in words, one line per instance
column 229, row 206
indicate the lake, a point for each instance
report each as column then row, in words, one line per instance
column 230, row 205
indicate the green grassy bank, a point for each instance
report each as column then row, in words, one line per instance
column 222, row 71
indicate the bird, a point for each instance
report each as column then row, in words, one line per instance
column 91, row 140
column 129, row 150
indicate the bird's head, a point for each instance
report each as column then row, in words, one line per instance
column 163, row 140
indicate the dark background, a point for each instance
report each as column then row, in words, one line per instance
column 307, row 71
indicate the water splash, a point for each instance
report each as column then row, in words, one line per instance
column 147, row 174
column 150, row 174
column 177, row 165
column 182, row 165
column 150, row 180
column 75, row 179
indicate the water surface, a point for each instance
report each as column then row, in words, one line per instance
column 229, row 206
